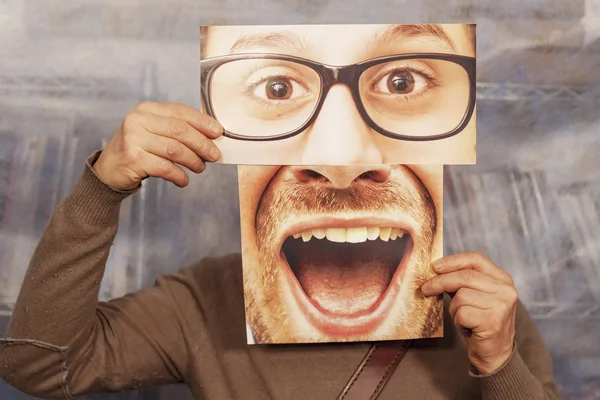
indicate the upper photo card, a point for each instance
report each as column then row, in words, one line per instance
column 341, row 94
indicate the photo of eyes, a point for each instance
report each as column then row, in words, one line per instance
column 341, row 94
column 339, row 253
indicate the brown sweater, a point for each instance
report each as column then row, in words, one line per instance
column 189, row 328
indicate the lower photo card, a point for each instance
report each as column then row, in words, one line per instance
column 339, row 253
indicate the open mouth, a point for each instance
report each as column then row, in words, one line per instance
column 347, row 276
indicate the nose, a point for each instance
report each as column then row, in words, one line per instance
column 339, row 135
column 341, row 177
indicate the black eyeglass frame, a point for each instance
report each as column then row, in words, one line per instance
column 330, row 75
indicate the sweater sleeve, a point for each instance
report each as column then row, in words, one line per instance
column 61, row 341
column 527, row 375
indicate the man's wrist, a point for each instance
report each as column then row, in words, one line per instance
column 91, row 201
column 512, row 380
column 491, row 368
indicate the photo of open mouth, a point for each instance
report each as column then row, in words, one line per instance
column 345, row 274
column 326, row 263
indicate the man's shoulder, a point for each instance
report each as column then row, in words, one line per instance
column 215, row 272
column 215, row 286
column 225, row 264
column 212, row 281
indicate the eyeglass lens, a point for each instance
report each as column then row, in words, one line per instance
column 269, row 97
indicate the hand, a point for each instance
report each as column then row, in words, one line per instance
column 154, row 140
column 483, row 306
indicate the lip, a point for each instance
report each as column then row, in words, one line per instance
column 359, row 324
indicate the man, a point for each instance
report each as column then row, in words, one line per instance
column 338, row 253
column 341, row 94
column 189, row 328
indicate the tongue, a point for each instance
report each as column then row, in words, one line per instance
column 343, row 278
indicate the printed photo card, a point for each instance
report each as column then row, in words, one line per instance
column 341, row 94
column 338, row 253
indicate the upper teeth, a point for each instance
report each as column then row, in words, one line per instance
column 351, row 235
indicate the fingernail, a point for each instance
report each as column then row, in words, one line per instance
column 216, row 129
column 215, row 154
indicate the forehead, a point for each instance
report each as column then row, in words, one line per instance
column 337, row 41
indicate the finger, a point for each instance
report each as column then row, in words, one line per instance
column 453, row 281
column 473, row 298
column 174, row 151
column 182, row 132
column 475, row 260
column 469, row 318
column 158, row 167
column 197, row 119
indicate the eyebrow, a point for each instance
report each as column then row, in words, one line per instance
column 403, row 32
column 285, row 40
column 290, row 41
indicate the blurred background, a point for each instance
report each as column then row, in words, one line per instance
column 71, row 70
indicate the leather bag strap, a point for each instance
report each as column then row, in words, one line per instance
column 374, row 371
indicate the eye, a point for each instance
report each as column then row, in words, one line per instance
column 402, row 82
column 278, row 88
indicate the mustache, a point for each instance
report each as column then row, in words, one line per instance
column 318, row 198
